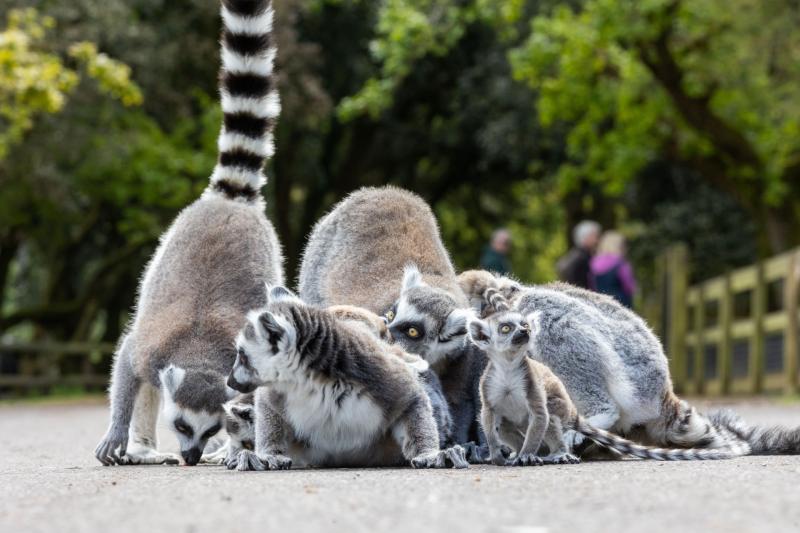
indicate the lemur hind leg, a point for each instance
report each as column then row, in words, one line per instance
column 143, row 449
column 418, row 438
column 560, row 450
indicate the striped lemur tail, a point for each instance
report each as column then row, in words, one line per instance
column 774, row 440
column 250, row 100
column 626, row 447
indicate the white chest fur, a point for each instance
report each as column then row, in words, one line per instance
column 506, row 391
column 333, row 419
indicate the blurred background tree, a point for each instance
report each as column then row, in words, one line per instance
column 675, row 121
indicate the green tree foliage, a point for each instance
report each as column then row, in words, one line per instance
column 493, row 110
column 713, row 85
column 34, row 80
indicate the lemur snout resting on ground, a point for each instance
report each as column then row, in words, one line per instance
column 615, row 370
column 336, row 394
column 362, row 253
column 524, row 405
column 208, row 271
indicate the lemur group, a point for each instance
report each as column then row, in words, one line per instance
column 384, row 356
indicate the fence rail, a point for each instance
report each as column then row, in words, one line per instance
column 42, row 366
column 733, row 334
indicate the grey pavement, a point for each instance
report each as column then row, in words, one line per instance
column 50, row 481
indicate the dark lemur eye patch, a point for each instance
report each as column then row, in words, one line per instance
column 212, row 431
column 182, row 427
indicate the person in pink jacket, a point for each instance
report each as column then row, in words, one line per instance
column 610, row 271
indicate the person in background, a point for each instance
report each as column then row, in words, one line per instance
column 610, row 270
column 495, row 255
column 574, row 266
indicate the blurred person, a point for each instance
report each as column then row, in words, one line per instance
column 495, row 255
column 611, row 273
column 574, row 266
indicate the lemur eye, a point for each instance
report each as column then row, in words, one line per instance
column 183, row 428
column 413, row 333
column 390, row 315
column 505, row 329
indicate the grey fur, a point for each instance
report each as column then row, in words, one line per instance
column 611, row 363
column 358, row 255
column 526, row 405
column 209, row 270
column 330, row 394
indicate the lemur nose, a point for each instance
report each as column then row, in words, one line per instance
column 192, row 456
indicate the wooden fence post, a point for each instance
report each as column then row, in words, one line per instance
column 677, row 274
column 760, row 311
column 791, row 302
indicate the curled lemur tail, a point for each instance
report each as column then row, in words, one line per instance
column 775, row 440
column 250, row 100
column 626, row 447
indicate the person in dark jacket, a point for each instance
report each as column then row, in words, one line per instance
column 574, row 266
column 611, row 273
column 495, row 255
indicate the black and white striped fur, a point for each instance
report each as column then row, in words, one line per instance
column 526, row 405
column 250, row 100
column 207, row 273
column 335, row 394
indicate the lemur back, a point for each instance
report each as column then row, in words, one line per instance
column 380, row 249
column 336, row 396
column 209, row 269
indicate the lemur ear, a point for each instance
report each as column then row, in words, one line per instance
column 456, row 323
column 171, row 378
column 242, row 411
column 280, row 293
column 269, row 325
column 479, row 333
column 411, row 277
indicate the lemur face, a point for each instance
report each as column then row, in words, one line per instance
column 505, row 335
column 426, row 320
column 266, row 345
column 192, row 408
column 240, row 422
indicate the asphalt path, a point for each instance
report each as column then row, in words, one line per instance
column 50, row 481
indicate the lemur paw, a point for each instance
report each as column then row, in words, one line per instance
column 475, row 453
column 245, row 461
column 213, row 459
column 525, row 459
column 453, row 457
column 113, row 447
column 140, row 455
column 562, row 459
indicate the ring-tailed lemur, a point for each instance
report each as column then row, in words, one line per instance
column 335, row 396
column 525, row 405
column 360, row 254
column 377, row 325
column 615, row 370
column 209, row 269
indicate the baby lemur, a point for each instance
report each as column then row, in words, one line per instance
column 525, row 405
column 337, row 395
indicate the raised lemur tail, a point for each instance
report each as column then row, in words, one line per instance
column 626, row 447
column 250, row 100
column 773, row 440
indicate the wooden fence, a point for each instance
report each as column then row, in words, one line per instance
column 734, row 334
column 40, row 367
